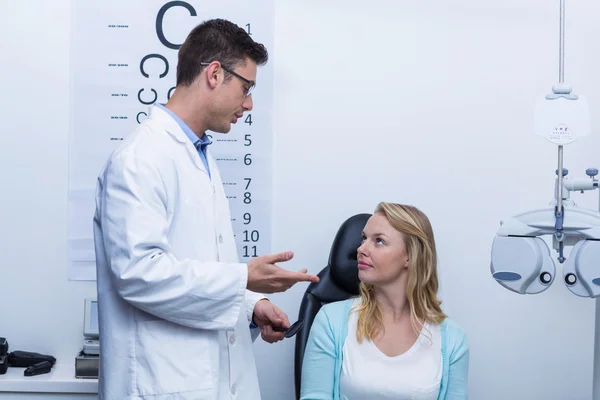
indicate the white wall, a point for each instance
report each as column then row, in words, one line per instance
column 428, row 103
column 39, row 309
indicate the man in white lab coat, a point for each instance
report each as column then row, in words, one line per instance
column 176, row 307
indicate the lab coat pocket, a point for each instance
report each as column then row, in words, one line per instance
column 171, row 358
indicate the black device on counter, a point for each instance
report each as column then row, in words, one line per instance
column 3, row 365
column 3, row 356
column 37, row 369
column 35, row 363
column 27, row 359
column 3, row 347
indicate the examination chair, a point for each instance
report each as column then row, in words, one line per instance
column 338, row 281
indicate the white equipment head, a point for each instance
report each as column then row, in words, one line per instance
column 521, row 260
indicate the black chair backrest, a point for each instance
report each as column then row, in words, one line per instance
column 338, row 281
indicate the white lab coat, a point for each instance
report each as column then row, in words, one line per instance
column 174, row 311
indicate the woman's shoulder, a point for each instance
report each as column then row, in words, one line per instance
column 338, row 308
column 336, row 313
column 452, row 326
column 456, row 336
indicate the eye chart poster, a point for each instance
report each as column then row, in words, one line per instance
column 123, row 60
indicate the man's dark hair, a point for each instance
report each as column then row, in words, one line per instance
column 216, row 40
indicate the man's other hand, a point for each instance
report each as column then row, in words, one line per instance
column 266, row 316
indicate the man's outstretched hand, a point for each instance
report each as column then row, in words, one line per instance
column 266, row 277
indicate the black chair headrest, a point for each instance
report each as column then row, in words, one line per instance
column 343, row 261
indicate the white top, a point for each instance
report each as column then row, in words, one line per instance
column 367, row 373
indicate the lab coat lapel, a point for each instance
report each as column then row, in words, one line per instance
column 172, row 128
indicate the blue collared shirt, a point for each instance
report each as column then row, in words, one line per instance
column 199, row 144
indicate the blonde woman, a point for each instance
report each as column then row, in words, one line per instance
column 393, row 341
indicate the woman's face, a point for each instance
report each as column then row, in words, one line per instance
column 382, row 256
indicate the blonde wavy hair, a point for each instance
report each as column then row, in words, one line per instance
column 422, row 286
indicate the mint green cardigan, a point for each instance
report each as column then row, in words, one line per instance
column 322, row 362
